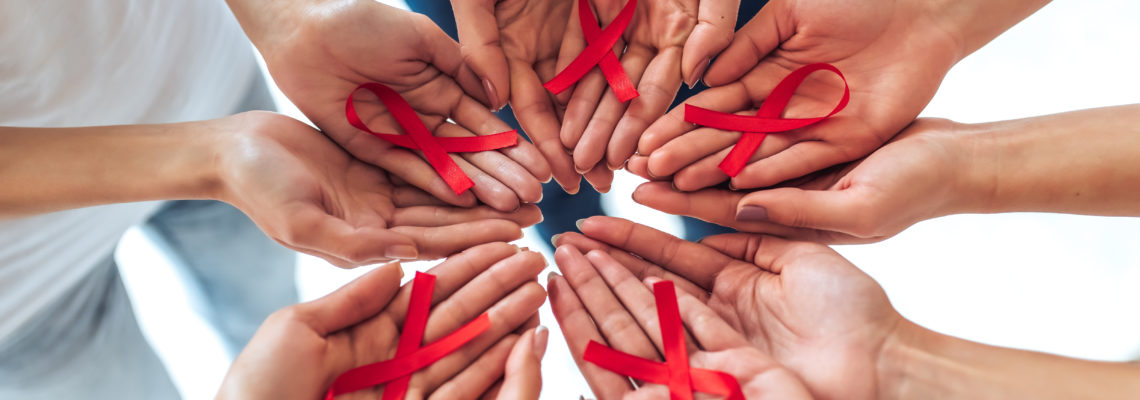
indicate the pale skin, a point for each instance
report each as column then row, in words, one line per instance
column 300, row 350
column 319, row 50
column 292, row 181
column 1081, row 162
column 822, row 318
column 586, row 131
column 894, row 54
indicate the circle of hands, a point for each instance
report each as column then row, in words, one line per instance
column 751, row 303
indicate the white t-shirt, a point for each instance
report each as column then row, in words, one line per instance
column 103, row 62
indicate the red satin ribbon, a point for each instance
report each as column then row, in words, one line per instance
column 410, row 357
column 599, row 51
column 418, row 137
column 675, row 371
column 767, row 119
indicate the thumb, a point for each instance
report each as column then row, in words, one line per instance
column 760, row 36
column 522, row 378
column 479, row 45
column 829, row 210
column 716, row 21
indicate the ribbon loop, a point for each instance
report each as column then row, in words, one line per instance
column 675, row 372
column 410, row 357
column 599, row 51
column 418, row 137
column 767, row 119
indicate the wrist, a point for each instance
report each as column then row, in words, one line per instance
column 912, row 365
column 269, row 23
column 973, row 23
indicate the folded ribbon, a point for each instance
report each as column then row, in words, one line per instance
column 599, row 51
column 675, row 371
column 418, row 137
column 767, row 119
column 410, row 357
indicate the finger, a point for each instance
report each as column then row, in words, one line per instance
column 355, row 302
column 523, row 378
column 536, row 115
column 573, row 42
column 649, row 392
column 310, row 226
column 480, row 375
column 696, row 263
column 447, row 240
column 505, row 316
column 435, row 216
column 688, row 149
column 493, row 392
column 635, row 296
column 410, row 196
column 580, row 109
column 776, row 163
column 844, row 211
column 470, row 115
column 657, row 89
column 409, row 167
column 454, row 272
column 762, row 250
column 444, row 53
column 479, row 41
column 601, row 178
column 579, row 330
column 711, row 331
column 640, row 268
column 614, row 321
column 731, row 98
column 486, row 290
column 760, row 36
column 530, row 324
column 639, row 165
column 480, row 168
column 595, row 139
column 716, row 22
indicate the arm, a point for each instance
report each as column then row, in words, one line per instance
column 1081, row 162
column 52, row 169
column 917, row 363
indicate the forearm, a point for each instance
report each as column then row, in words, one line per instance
column 1082, row 162
column 917, row 363
column 270, row 22
column 51, row 169
column 976, row 22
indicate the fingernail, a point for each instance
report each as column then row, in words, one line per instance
column 752, row 213
column 402, row 252
column 550, row 276
column 554, row 239
column 400, row 267
column 698, row 72
column 578, row 223
column 524, row 248
column 540, row 336
column 492, row 94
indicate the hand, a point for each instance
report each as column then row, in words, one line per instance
column 893, row 54
column 802, row 303
column 300, row 350
column 667, row 42
column 513, row 46
column 601, row 300
column 522, row 377
column 919, row 175
column 309, row 195
column 327, row 49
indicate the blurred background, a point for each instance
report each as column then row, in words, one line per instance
column 1055, row 283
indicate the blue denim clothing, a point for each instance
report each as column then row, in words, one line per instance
column 88, row 344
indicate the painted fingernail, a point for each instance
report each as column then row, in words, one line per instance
column 492, row 95
column 540, row 336
column 752, row 213
column 578, row 223
column 698, row 72
column 402, row 252
column 554, row 239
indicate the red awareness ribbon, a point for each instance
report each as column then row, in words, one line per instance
column 767, row 119
column 599, row 51
column 418, row 137
column 410, row 357
column 675, row 371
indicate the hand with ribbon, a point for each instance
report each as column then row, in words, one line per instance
column 768, row 289
column 309, row 195
column 892, row 54
column 622, row 64
column 477, row 300
column 616, row 327
column 513, row 45
column 922, row 173
column 320, row 52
